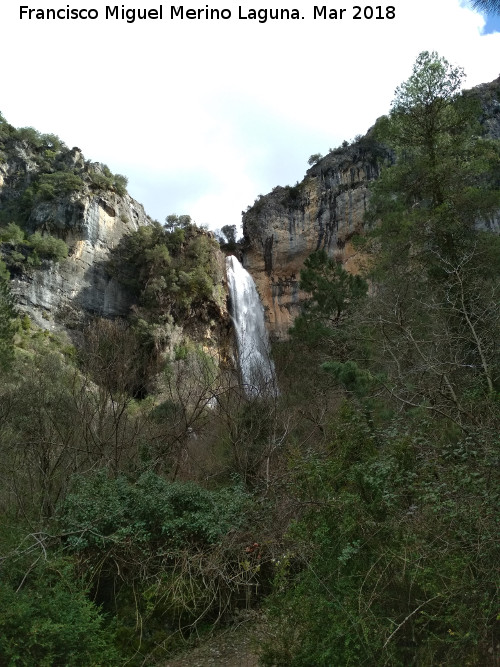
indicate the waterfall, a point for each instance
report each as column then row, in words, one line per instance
column 256, row 366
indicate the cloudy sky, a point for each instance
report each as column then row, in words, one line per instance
column 205, row 115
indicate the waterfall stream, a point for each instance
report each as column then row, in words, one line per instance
column 256, row 365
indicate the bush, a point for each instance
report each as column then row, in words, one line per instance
column 171, row 268
column 30, row 136
column 120, row 183
column 314, row 159
column 7, row 326
column 386, row 561
column 102, row 178
column 46, row 618
column 156, row 552
column 12, row 234
column 48, row 247
column 60, row 182
column 147, row 513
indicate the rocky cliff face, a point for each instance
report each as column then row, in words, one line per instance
column 324, row 211
column 90, row 220
column 52, row 192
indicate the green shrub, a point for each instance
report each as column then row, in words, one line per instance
column 53, row 143
column 156, row 551
column 171, row 269
column 99, row 180
column 148, row 512
column 30, row 136
column 8, row 314
column 48, row 247
column 314, row 159
column 46, row 618
column 104, row 179
column 12, row 234
column 386, row 561
column 60, row 182
column 4, row 273
column 120, row 183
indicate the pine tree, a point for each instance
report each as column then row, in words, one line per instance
column 435, row 270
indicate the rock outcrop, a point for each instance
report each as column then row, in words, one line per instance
column 58, row 294
column 49, row 195
column 325, row 210
column 90, row 220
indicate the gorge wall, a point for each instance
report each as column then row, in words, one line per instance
column 281, row 229
column 324, row 211
column 90, row 220
column 46, row 188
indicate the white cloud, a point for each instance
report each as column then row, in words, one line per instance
column 205, row 115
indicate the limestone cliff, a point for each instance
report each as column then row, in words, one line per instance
column 90, row 219
column 323, row 211
column 46, row 188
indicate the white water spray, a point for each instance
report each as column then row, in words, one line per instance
column 256, row 366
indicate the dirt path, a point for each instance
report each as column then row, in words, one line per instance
column 234, row 647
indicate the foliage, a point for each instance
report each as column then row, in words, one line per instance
column 292, row 196
column 46, row 618
column 59, row 183
column 230, row 232
column 148, row 513
column 119, row 356
column 171, row 268
column 334, row 293
column 48, row 247
column 4, row 273
column 314, row 159
column 12, row 233
column 333, row 289
column 57, row 172
column 102, row 177
column 120, row 183
column 39, row 142
column 384, row 564
column 428, row 243
column 28, row 252
column 176, row 222
column 161, row 536
column 444, row 176
column 394, row 543
column 227, row 238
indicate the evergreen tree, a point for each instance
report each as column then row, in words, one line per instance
column 391, row 560
column 436, row 272
column 442, row 184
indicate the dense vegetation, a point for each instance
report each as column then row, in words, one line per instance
column 171, row 268
column 393, row 558
column 358, row 508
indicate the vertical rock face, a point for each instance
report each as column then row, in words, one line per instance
column 58, row 293
column 49, row 191
column 323, row 212
column 91, row 221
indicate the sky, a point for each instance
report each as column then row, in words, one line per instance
column 202, row 115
